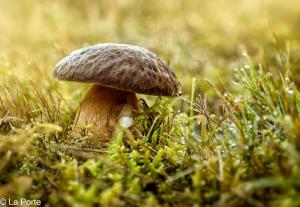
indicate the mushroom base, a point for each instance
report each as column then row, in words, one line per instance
column 102, row 107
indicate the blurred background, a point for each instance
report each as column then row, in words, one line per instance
column 197, row 38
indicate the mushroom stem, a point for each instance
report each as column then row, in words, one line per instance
column 102, row 107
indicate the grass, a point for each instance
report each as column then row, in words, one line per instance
column 232, row 139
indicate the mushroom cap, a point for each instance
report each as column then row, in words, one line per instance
column 120, row 66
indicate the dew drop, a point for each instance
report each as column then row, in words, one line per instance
column 246, row 66
column 290, row 91
column 126, row 121
column 237, row 99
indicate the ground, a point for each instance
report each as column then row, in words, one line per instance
column 231, row 139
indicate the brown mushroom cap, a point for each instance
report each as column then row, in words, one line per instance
column 120, row 66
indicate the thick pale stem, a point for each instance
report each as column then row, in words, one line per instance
column 102, row 107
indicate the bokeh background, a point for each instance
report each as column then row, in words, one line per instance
column 197, row 38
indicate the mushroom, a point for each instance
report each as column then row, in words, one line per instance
column 117, row 72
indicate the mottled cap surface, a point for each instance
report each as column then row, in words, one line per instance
column 119, row 66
